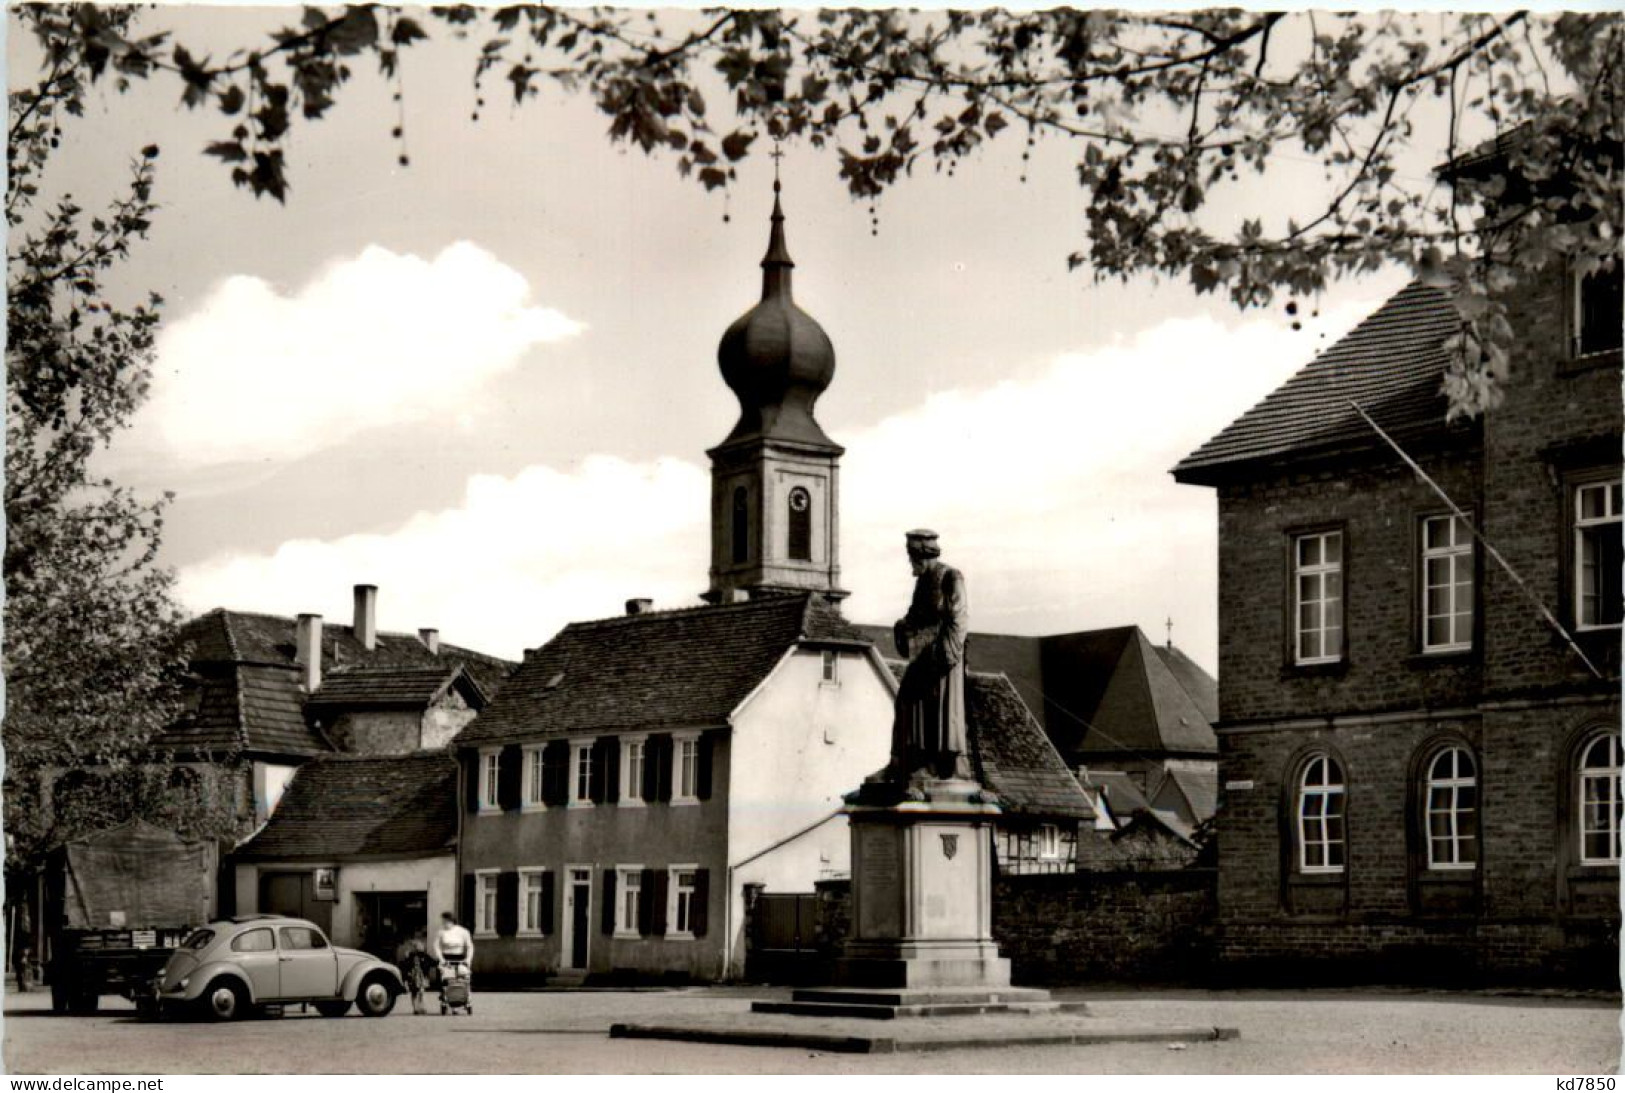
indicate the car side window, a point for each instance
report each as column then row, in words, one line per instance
column 253, row 941
column 302, row 937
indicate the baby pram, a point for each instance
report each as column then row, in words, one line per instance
column 454, row 988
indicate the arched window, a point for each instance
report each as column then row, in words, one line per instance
column 1451, row 809
column 800, row 525
column 741, row 525
column 1600, row 801
column 1321, row 794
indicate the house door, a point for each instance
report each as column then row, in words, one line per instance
column 579, row 916
column 295, row 894
column 385, row 919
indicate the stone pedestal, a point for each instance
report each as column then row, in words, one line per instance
column 921, row 940
column 922, row 893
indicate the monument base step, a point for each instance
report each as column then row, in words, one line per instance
column 917, row 1002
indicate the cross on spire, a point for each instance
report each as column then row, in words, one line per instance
column 1170, row 625
column 777, row 154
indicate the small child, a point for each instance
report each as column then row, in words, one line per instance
column 415, row 963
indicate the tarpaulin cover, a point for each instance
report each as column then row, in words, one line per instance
column 143, row 874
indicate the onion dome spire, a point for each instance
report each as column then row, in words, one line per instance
column 776, row 357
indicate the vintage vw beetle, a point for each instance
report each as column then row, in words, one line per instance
column 227, row 968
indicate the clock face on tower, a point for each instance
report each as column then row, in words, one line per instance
column 799, row 500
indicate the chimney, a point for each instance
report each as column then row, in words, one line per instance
column 430, row 640
column 366, row 616
column 307, row 649
column 639, row 606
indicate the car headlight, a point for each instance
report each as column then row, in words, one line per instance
column 185, row 979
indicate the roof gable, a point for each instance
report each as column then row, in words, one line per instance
column 1392, row 364
column 340, row 806
column 658, row 669
column 1145, row 709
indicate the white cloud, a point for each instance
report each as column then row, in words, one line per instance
column 518, row 559
column 1052, row 494
column 378, row 339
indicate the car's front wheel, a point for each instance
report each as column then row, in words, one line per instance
column 375, row 998
column 224, row 1001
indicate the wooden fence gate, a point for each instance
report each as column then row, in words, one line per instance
column 783, row 939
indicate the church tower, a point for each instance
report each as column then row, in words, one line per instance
column 775, row 499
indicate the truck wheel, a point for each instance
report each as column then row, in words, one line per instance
column 87, row 1000
column 224, row 1001
column 375, row 998
column 333, row 1009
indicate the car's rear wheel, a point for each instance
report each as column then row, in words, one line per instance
column 375, row 998
column 224, row 1001
column 333, row 1009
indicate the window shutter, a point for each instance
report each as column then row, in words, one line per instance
column 698, row 910
column 612, row 768
column 467, row 917
column 702, row 766
column 507, row 904
column 548, row 896
column 654, row 880
column 471, row 779
column 608, row 909
column 555, row 772
column 510, row 769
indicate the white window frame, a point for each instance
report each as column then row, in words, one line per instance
column 1320, row 573
column 1049, row 842
column 628, row 882
column 485, row 882
column 675, row 890
column 830, row 668
column 1599, row 784
column 581, row 771
column 685, row 745
column 1317, row 803
column 1443, row 798
column 523, row 917
column 490, row 780
column 1583, row 530
column 1455, row 557
column 530, row 796
column 633, row 751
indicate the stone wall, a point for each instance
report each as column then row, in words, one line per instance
column 1063, row 929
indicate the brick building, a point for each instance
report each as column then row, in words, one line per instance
column 1420, row 776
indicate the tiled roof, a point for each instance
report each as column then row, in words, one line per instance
column 269, row 639
column 1392, row 364
column 1098, row 691
column 1122, row 797
column 1144, row 709
column 252, row 707
column 1198, row 788
column 249, row 692
column 1012, row 755
column 341, row 806
column 411, row 685
column 658, row 669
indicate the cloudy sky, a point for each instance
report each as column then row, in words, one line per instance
column 486, row 382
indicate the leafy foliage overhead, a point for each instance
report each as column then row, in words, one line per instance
column 1167, row 113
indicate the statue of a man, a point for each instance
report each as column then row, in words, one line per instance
column 928, row 731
